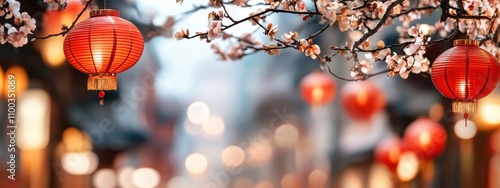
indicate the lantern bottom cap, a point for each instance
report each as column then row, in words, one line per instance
column 102, row 82
column 464, row 106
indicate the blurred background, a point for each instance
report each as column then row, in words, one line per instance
column 183, row 119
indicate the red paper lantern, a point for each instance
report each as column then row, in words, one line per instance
column 361, row 100
column 103, row 46
column 425, row 137
column 318, row 88
column 388, row 152
column 465, row 73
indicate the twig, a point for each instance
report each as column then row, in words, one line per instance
column 66, row 30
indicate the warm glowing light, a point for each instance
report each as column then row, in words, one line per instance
column 233, row 156
column 79, row 163
column 76, row 141
column 286, row 136
column 425, row 29
column 317, row 178
column 351, row 179
column 317, row 93
column 243, row 183
column 22, row 79
column 379, row 177
column 52, row 51
column 1, row 81
column 178, row 182
column 264, row 184
column 97, row 55
column 259, row 151
column 362, row 98
column 214, row 126
column 489, row 113
column 425, row 139
column 104, row 178
column 394, row 154
column 196, row 164
column 436, row 112
column 290, row 181
column 465, row 132
column 34, row 116
column 125, row 177
column 408, row 166
column 198, row 112
column 146, row 178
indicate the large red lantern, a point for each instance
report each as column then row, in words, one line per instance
column 103, row 46
column 425, row 137
column 318, row 88
column 388, row 152
column 465, row 73
column 361, row 100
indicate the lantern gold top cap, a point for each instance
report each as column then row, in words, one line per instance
column 104, row 12
column 465, row 42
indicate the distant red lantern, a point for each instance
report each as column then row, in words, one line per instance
column 103, row 46
column 361, row 100
column 388, row 152
column 465, row 73
column 425, row 137
column 318, row 88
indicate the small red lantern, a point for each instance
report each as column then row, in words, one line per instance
column 425, row 137
column 388, row 152
column 318, row 88
column 465, row 73
column 361, row 100
column 103, row 46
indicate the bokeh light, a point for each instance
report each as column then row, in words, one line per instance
column 465, row 132
column 34, row 116
column 146, row 178
column 79, row 163
column 286, row 136
column 198, row 112
column 177, row 182
column 1, row 81
column 424, row 29
column 233, row 156
column 125, row 177
column 22, row 79
column 317, row 179
column 436, row 112
column 489, row 113
column 351, row 179
column 408, row 166
column 259, row 151
column 213, row 126
column 243, row 182
column 379, row 177
column 74, row 140
column 290, row 181
column 264, row 184
column 104, row 178
column 196, row 164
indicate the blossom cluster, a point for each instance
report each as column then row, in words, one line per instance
column 20, row 25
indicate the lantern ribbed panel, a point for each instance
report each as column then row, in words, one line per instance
column 465, row 73
column 104, row 43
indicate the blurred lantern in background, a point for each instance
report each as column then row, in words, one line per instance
column 103, row 46
column 489, row 108
column 1, row 81
column 361, row 100
column 53, row 20
column 388, row 152
column 465, row 73
column 21, row 80
column 318, row 88
column 426, row 138
column 34, row 116
column 408, row 166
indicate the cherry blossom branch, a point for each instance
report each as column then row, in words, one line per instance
column 66, row 29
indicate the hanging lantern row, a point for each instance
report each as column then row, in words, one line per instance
column 465, row 74
column 103, row 46
column 424, row 137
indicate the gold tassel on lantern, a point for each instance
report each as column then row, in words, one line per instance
column 468, row 106
column 102, row 82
